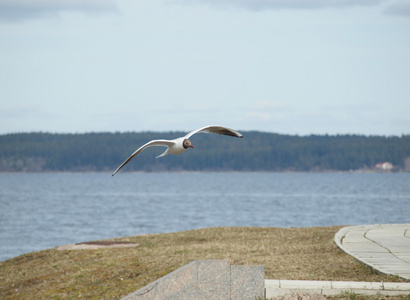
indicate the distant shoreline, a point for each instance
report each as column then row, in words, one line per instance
column 256, row 152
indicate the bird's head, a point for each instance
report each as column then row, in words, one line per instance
column 187, row 144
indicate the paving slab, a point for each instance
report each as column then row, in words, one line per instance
column 279, row 287
column 383, row 247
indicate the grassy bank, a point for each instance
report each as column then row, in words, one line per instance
column 291, row 253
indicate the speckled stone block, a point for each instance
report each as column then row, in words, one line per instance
column 208, row 277
column 247, row 282
column 206, row 280
column 167, row 285
column 213, row 282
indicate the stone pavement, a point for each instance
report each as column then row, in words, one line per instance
column 383, row 247
column 277, row 288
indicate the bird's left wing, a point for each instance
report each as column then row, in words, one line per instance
column 217, row 130
column 165, row 143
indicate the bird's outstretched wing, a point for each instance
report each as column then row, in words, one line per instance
column 164, row 143
column 217, row 130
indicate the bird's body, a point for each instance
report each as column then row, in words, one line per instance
column 181, row 144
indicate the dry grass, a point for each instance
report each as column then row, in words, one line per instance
column 294, row 253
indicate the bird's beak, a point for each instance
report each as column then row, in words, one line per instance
column 191, row 146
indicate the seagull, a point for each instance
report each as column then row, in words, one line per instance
column 181, row 144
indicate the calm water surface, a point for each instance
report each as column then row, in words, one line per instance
column 39, row 211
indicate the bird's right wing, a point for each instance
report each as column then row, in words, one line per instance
column 164, row 143
column 216, row 130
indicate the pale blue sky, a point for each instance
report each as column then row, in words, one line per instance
column 285, row 66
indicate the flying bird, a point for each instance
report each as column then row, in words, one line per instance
column 181, row 144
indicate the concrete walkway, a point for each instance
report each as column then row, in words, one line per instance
column 277, row 288
column 383, row 247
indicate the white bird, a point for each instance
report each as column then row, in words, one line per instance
column 180, row 145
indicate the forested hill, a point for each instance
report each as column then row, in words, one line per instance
column 256, row 151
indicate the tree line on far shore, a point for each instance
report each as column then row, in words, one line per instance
column 256, row 151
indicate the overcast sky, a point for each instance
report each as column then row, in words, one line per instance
column 285, row 66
